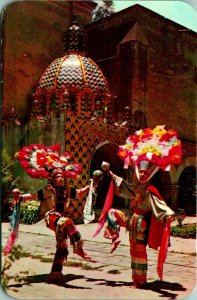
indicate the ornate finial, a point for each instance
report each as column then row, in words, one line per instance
column 35, row 106
column 73, row 37
column 12, row 114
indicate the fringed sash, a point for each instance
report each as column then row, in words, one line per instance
column 14, row 227
column 88, row 213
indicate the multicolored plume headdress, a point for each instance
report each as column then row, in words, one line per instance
column 158, row 146
column 40, row 161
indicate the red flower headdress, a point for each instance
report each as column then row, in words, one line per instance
column 39, row 161
column 158, row 146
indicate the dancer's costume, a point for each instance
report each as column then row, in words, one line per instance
column 46, row 162
column 14, row 224
column 59, row 220
column 149, row 222
column 89, row 208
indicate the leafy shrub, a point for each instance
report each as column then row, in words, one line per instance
column 187, row 231
column 8, row 182
column 29, row 212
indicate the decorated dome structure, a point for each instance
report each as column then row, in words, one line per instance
column 72, row 108
column 72, row 82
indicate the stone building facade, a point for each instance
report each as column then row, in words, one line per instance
column 150, row 64
column 149, row 61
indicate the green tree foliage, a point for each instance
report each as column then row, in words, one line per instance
column 8, row 182
column 7, row 173
column 102, row 10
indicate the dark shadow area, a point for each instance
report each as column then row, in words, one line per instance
column 107, row 152
column 110, row 283
column 42, row 278
column 187, row 191
column 162, row 287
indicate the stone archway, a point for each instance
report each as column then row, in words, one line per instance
column 187, row 191
column 162, row 181
column 107, row 151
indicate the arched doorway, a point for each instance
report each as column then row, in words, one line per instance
column 187, row 192
column 161, row 180
column 107, row 151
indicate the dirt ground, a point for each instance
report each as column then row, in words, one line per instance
column 107, row 276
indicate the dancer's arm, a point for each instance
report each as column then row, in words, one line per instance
column 29, row 196
column 83, row 191
column 123, row 189
column 160, row 209
column 18, row 197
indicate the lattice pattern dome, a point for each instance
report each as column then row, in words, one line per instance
column 73, row 70
column 72, row 82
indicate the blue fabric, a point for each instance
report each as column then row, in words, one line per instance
column 15, row 219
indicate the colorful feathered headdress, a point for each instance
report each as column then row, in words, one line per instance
column 40, row 161
column 158, row 146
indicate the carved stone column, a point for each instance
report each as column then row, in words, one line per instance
column 175, row 192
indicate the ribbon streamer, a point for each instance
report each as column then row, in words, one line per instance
column 163, row 249
column 14, row 227
column 106, row 208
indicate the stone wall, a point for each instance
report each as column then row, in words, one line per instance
column 170, row 85
column 32, row 39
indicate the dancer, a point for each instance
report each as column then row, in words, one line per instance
column 59, row 220
column 89, row 209
column 149, row 224
column 15, row 218
column 46, row 162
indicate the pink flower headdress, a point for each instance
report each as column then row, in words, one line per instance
column 40, row 161
column 158, row 146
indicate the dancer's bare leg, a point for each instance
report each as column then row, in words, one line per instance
column 115, row 242
column 76, row 241
column 78, row 249
column 57, row 266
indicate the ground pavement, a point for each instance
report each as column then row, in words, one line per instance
column 108, row 276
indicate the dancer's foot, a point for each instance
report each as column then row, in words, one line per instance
column 115, row 244
column 55, row 277
column 137, row 285
column 80, row 252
